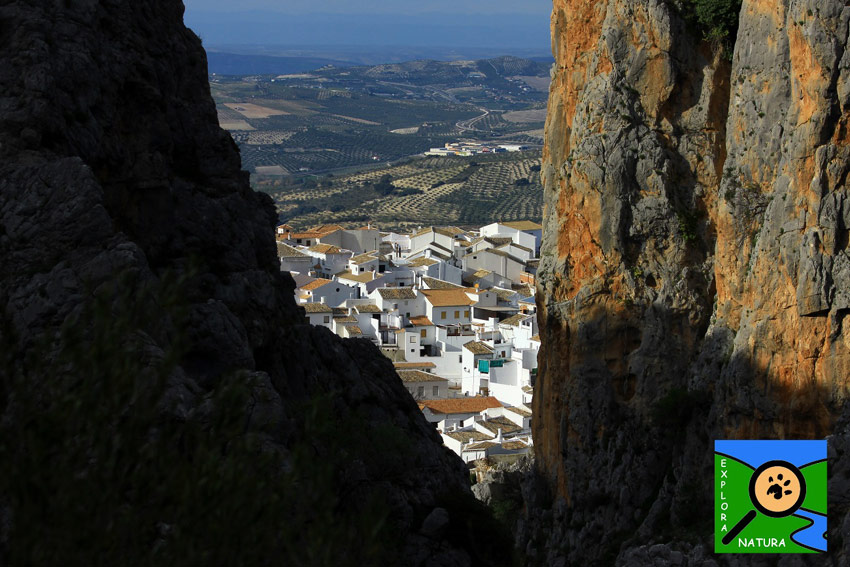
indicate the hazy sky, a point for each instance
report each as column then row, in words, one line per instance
column 542, row 7
column 503, row 25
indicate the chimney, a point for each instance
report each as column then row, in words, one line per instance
column 499, row 436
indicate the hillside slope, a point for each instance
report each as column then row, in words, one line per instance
column 695, row 271
column 149, row 345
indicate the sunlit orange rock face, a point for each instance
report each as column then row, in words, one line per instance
column 695, row 273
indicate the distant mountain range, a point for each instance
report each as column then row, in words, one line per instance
column 239, row 64
column 417, row 71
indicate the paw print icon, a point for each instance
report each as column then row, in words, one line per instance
column 777, row 489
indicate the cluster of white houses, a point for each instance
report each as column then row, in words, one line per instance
column 453, row 308
column 474, row 148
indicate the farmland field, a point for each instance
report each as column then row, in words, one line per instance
column 331, row 120
column 434, row 190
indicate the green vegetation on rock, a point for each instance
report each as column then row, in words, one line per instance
column 717, row 20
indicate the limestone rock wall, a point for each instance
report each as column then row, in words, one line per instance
column 694, row 265
column 114, row 172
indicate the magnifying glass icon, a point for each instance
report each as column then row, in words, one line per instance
column 777, row 490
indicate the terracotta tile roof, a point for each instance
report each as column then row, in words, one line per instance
column 461, row 405
column 503, row 294
column 515, row 245
column 528, row 389
column 287, row 251
column 340, row 311
column 399, row 365
column 519, row 411
column 494, row 424
column 498, row 240
column 353, row 330
column 316, row 308
column 480, row 274
column 447, row 297
column 524, row 290
column 317, row 283
column 368, row 308
column 420, row 321
column 344, row 319
column 397, row 293
column 468, row 436
column 326, row 249
column 419, row 376
column 523, row 225
column 440, row 255
column 480, row 446
column 326, row 229
column 514, row 445
column 422, row 262
column 365, row 257
column 514, row 320
column 434, row 283
column 450, row 231
column 535, row 338
column 477, row 347
column 365, row 277
column 317, row 232
column 440, row 246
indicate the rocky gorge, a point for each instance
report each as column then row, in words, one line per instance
column 694, row 275
column 162, row 400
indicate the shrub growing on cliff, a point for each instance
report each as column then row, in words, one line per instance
column 717, row 20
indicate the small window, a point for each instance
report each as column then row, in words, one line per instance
column 422, row 333
column 442, row 315
column 412, row 350
column 475, row 257
column 460, row 358
column 327, row 319
column 435, row 391
column 337, row 290
column 420, row 391
column 466, row 313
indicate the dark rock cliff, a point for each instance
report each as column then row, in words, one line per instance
column 115, row 183
column 694, row 276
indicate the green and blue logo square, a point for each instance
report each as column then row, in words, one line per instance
column 770, row 496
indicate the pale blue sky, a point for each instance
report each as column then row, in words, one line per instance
column 542, row 7
column 503, row 25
